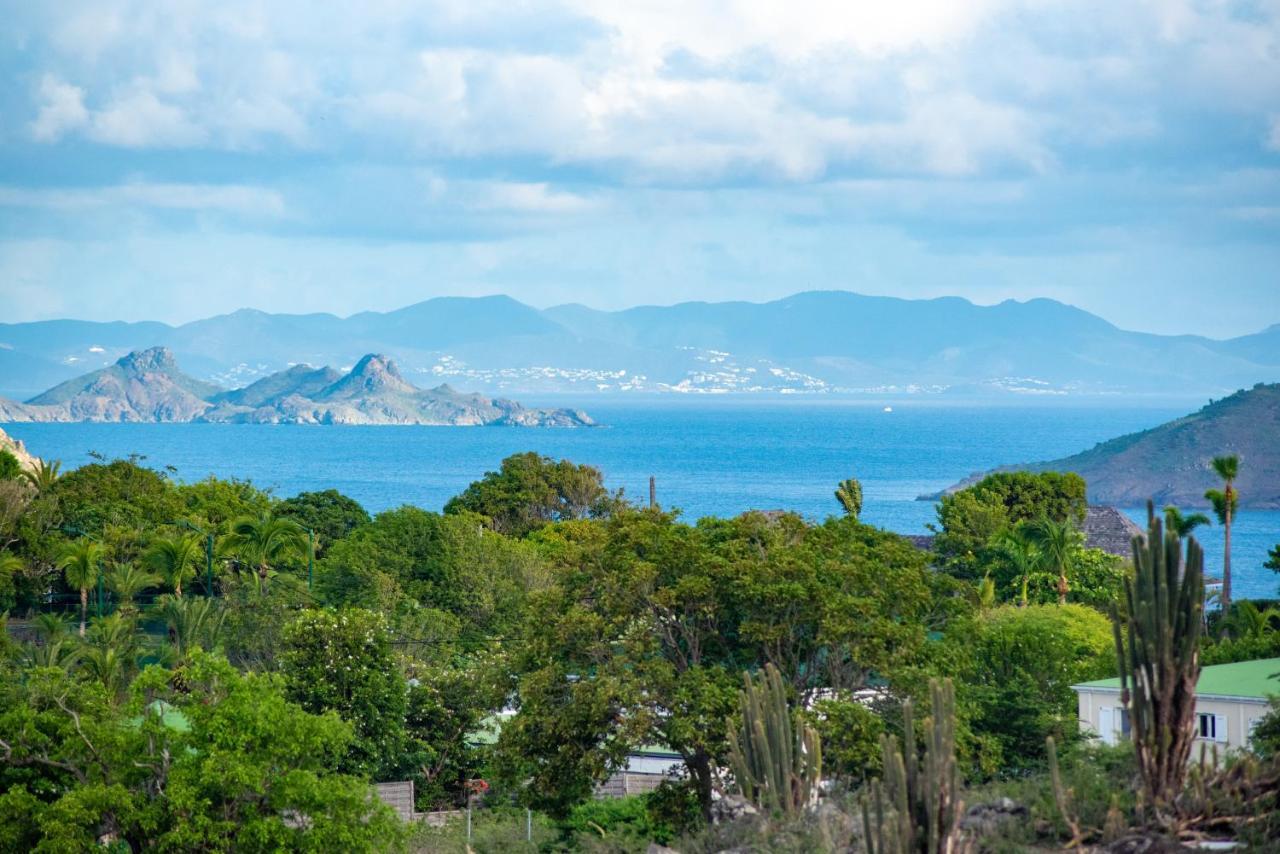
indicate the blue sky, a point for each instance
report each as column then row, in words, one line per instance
column 171, row 161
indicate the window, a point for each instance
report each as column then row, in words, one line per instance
column 1113, row 724
column 1211, row 727
column 1124, row 722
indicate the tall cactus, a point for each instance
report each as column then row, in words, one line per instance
column 1158, row 649
column 776, row 761
column 922, row 813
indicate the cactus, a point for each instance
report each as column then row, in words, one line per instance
column 1158, row 650
column 923, row 809
column 849, row 494
column 776, row 760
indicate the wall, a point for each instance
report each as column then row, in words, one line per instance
column 1235, row 712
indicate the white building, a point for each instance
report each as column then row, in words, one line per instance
column 1230, row 700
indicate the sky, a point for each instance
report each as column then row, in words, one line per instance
column 176, row 160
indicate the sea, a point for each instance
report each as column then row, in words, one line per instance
column 710, row 457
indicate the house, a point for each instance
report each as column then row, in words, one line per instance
column 1230, row 700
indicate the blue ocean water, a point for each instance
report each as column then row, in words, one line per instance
column 710, row 457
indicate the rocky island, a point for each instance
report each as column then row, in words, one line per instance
column 148, row 386
column 1171, row 463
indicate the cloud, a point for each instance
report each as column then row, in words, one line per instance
column 228, row 198
column 1273, row 137
column 61, row 109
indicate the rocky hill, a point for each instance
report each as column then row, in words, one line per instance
column 148, row 386
column 19, row 450
column 1171, row 463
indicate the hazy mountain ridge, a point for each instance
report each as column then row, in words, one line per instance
column 818, row 341
column 1171, row 463
column 148, row 386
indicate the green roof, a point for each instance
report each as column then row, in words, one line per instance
column 1259, row 678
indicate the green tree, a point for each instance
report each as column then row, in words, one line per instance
column 81, row 563
column 849, row 494
column 10, row 468
column 330, row 514
column 10, row 565
column 1224, row 503
column 174, row 559
column 1057, row 541
column 644, row 634
column 530, row 491
column 1022, row 557
column 43, row 475
column 192, row 623
column 341, row 661
column 1024, row 662
column 1183, row 525
column 128, row 581
column 262, row 543
column 972, row 520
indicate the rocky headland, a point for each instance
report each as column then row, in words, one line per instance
column 148, row 386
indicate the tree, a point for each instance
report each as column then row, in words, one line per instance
column 1183, row 525
column 263, row 542
column 1273, row 559
column 127, row 581
column 972, row 520
column 849, row 494
column 1022, row 666
column 10, row 565
column 1056, row 540
column 192, row 623
column 330, row 514
column 81, row 563
column 43, row 475
column 1022, row 556
column 649, row 624
column 1224, row 506
column 341, row 661
column 174, row 559
column 530, row 491
column 10, row 468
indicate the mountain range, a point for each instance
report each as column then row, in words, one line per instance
column 818, row 341
column 147, row 385
column 1171, row 463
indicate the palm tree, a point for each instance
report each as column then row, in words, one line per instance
column 1224, row 507
column 849, row 494
column 1175, row 521
column 81, row 563
column 10, row 565
column 127, row 581
column 1057, row 542
column 173, row 559
column 192, row 622
column 1023, row 555
column 43, row 475
column 1250, row 621
column 261, row 541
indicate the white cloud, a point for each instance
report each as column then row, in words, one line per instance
column 226, row 198
column 140, row 119
column 61, row 109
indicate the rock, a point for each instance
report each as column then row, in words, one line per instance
column 655, row 848
column 15, row 447
column 982, row 819
column 728, row 808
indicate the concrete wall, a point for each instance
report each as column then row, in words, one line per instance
column 1099, row 714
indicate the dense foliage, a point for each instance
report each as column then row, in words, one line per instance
column 175, row 677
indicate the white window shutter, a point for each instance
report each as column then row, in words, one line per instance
column 1106, row 725
column 1220, row 728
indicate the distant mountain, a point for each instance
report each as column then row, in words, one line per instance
column 820, row 341
column 1171, row 463
column 148, row 386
